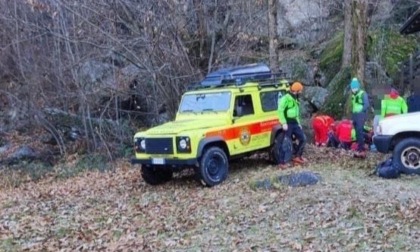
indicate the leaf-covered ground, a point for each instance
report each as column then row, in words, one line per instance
column 116, row 211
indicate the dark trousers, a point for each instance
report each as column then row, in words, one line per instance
column 334, row 142
column 359, row 120
column 296, row 130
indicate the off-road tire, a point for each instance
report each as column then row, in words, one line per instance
column 213, row 168
column 406, row 156
column 156, row 175
column 277, row 149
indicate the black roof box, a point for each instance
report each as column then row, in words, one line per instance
column 237, row 75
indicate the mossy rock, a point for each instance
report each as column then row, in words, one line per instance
column 336, row 103
column 389, row 48
column 331, row 55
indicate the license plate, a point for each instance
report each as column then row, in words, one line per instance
column 158, row 161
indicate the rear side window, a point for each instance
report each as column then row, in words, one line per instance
column 269, row 100
column 243, row 105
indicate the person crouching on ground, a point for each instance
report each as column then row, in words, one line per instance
column 342, row 135
column 360, row 105
column 289, row 117
column 321, row 124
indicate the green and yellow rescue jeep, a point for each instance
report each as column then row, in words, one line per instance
column 232, row 114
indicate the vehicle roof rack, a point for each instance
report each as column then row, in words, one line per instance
column 238, row 75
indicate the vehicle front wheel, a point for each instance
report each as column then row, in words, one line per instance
column 406, row 156
column 213, row 167
column 155, row 175
column 282, row 149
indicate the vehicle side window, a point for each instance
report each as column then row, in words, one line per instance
column 269, row 100
column 243, row 105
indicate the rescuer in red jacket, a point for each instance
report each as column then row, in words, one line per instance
column 342, row 134
column 321, row 124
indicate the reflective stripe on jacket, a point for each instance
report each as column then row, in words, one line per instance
column 391, row 106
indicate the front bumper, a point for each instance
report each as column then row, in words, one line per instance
column 167, row 162
column 382, row 143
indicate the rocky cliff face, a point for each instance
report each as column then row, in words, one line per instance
column 305, row 22
column 312, row 22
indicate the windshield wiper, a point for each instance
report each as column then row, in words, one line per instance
column 208, row 109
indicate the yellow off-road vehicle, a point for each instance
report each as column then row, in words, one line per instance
column 232, row 113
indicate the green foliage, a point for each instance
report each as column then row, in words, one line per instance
column 91, row 162
column 9, row 244
column 388, row 48
column 336, row 103
column 36, row 170
column 330, row 58
column 127, row 151
column 14, row 175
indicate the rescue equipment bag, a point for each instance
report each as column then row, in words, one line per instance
column 387, row 170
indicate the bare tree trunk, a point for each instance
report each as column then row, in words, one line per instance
column 359, row 10
column 202, row 26
column 348, row 31
column 272, row 34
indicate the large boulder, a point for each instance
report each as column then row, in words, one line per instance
column 299, row 68
column 95, row 75
column 303, row 20
column 316, row 96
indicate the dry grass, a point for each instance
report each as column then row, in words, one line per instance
column 348, row 211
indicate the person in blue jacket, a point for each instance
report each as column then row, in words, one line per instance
column 413, row 101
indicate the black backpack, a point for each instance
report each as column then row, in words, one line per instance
column 387, row 170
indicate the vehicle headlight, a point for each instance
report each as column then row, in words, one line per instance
column 143, row 144
column 140, row 144
column 183, row 144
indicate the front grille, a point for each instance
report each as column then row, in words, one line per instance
column 159, row 146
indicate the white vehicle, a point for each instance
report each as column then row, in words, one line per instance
column 400, row 134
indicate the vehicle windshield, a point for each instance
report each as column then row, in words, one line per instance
column 205, row 102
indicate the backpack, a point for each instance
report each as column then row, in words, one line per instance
column 387, row 170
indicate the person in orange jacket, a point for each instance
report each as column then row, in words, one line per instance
column 321, row 125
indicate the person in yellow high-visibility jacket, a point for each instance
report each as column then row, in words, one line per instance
column 393, row 104
column 360, row 106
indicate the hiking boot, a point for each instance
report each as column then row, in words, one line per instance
column 284, row 166
column 299, row 160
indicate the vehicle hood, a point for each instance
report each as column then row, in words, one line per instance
column 185, row 125
column 399, row 123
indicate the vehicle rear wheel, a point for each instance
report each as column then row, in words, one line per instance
column 406, row 156
column 155, row 175
column 213, row 167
